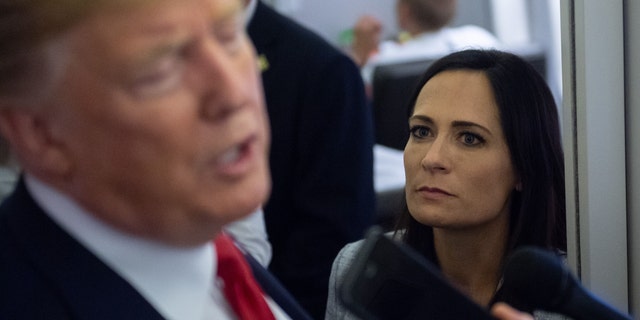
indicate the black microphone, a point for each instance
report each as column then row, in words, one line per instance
column 539, row 279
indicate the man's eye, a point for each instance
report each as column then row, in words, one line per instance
column 229, row 37
column 230, row 34
column 161, row 78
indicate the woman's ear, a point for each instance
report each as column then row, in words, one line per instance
column 29, row 135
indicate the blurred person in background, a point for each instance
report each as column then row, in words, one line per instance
column 425, row 33
column 321, row 156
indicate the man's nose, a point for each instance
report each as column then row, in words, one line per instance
column 223, row 82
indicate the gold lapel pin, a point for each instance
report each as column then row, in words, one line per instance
column 263, row 63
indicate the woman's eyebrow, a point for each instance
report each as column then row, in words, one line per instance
column 469, row 124
column 421, row 117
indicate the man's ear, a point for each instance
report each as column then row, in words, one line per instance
column 29, row 135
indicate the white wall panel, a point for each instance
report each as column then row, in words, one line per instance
column 594, row 109
column 632, row 79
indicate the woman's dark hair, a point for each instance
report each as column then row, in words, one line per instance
column 529, row 119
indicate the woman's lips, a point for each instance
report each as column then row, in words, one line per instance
column 433, row 193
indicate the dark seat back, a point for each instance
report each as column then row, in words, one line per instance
column 393, row 85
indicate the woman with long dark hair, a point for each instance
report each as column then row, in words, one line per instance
column 484, row 172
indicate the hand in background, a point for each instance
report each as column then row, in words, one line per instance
column 503, row 311
column 366, row 38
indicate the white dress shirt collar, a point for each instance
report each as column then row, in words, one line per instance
column 176, row 281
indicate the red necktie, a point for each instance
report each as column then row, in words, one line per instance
column 239, row 287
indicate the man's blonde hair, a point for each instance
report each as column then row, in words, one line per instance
column 25, row 25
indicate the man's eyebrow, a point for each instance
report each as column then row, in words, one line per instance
column 154, row 53
column 227, row 12
column 164, row 48
column 156, row 41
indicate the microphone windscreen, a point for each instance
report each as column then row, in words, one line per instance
column 536, row 277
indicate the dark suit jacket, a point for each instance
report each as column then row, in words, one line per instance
column 321, row 154
column 46, row 274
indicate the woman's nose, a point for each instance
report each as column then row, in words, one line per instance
column 436, row 158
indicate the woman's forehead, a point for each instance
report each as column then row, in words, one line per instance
column 459, row 95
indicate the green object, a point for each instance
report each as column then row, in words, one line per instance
column 345, row 39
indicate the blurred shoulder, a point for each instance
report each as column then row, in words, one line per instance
column 348, row 253
column 472, row 36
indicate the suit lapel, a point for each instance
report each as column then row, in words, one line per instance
column 89, row 287
column 272, row 287
column 262, row 32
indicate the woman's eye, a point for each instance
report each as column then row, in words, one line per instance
column 471, row 139
column 420, row 131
